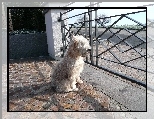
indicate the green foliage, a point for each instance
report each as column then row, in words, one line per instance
column 30, row 19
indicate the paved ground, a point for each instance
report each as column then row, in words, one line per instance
column 75, row 115
column 101, row 91
column 27, row 78
column 92, row 115
column 128, row 96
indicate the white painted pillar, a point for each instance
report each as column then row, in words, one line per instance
column 53, row 30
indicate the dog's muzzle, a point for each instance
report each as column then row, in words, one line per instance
column 89, row 50
column 85, row 53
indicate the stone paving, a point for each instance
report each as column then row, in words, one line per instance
column 73, row 115
column 78, row 115
column 27, row 77
column 100, row 91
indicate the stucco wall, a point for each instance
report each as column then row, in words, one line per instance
column 54, row 35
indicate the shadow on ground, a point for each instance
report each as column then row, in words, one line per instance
column 28, row 76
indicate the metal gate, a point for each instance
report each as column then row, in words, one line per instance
column 121, row 51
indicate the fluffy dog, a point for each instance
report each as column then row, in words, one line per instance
column 67, row 72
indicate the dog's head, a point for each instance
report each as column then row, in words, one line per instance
column 81, row 45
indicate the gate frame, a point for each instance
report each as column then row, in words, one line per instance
column 63, row 27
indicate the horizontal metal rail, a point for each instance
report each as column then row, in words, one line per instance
column 122, row 14
column 106, row 17
column 78, row 14
column 67, row 11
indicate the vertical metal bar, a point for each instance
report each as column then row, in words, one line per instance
column 90, row 34
column 85, row 31
column 96, row 31
column 62, row 31
column 64, row 35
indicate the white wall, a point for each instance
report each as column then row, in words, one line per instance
column 53, row 30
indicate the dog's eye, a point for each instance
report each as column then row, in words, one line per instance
column 82, row 44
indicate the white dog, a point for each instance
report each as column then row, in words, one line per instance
column 67, row 72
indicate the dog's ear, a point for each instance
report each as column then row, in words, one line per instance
column 73, row 38
column 75, row 42
column 71, row 35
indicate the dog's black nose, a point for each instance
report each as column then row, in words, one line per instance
column 89, row 50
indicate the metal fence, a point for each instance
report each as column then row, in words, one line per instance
column 119, row 51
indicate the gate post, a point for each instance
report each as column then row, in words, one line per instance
column 53, row 30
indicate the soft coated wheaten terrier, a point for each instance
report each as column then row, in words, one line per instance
column 67, row 72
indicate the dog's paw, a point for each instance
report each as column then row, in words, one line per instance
column 76, row 89
column 79, row 81
column 68, row 90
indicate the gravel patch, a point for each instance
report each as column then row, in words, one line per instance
column 101, row 91
column 27, row 76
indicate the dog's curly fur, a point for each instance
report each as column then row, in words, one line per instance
column 67, row 72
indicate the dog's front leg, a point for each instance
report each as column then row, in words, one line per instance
column 73, row 86
column 78, row 80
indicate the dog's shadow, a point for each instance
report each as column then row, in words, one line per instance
column 28, row 91
column 19, row 93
